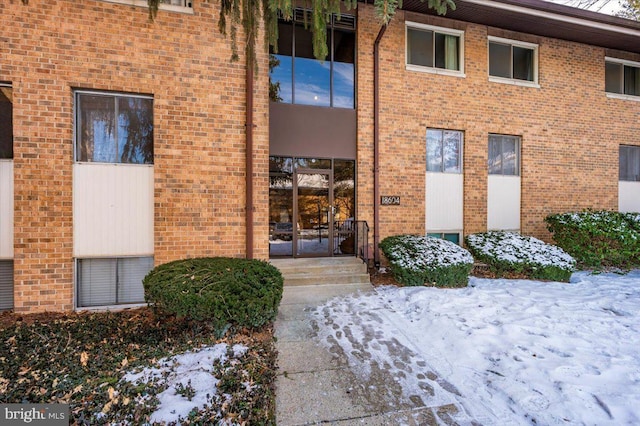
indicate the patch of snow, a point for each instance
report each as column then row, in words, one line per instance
column 190, row 370
column 507, row 352
column 416, row 252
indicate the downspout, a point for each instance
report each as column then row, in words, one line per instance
column 376, row 146
column 249, row 158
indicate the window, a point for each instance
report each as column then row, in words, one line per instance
column 512, row 60
column 630, row 163
column 111, row 281
column 622, row 77
column 504, row 155
column 6, row 284
column 6, row 121
column 434, row 49
column 454, row 237
column 183, row 3
column 444, row 151
column 297, row 77
column 114, row 128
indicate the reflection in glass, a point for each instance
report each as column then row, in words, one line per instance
column 343, row 69
column 100, row 139
column 6, row 122
column 280, row 206
column 444, row 151
column 504, row 155
column 312, row 76
column 314, row 214
column 313, row 163
column 419, row 47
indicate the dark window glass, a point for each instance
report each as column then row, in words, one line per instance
column 344, row 190
column 313, row 163
column 114, row 129
column 630, row 163
column 613, row 77
column 6, row 122
column 509, row 61
column 432, row 49
column 522, row 63
column 500, row 60
column 631, row 81
column 344, row 44
column 419, row 47
column 504, row 155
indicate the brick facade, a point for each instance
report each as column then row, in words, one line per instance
column 570, row 129
column 50, row 47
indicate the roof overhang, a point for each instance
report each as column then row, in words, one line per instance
column 545, row 19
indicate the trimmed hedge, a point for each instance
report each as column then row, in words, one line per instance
column 223, row 291
column 508, row 252
column 598, row 239
column 419, row 260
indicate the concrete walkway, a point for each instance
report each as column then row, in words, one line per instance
column 316, row 386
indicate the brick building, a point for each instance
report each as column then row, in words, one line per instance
column 123, row 142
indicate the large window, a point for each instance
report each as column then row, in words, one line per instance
column 6, row 121
column 114, row 128
column 111, row 281
column 297, row 77
column 504, row 155
column 444, row 151
column 434, row 49
column 630, row 163
column 622, row 77
column 513, row 61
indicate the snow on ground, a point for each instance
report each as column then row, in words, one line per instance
column 188, row 373
column 508, row 352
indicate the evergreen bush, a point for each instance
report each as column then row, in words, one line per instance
column 509, row 252
column 224, row 291
column 598, row 239
column 419, row 260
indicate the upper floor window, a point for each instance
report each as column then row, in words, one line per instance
column 630, row 163
column 622, row 77
column 6, row 121
column 183, row 3
column 444, row 151
column 513, row 61
column 297, row 77
column 114, row 128
column 434, row 49
column 504, row 155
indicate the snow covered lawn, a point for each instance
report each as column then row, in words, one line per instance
column 505, row 352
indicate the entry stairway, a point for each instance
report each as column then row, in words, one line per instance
column 323, row 271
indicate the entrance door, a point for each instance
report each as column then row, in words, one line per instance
column 313, row 210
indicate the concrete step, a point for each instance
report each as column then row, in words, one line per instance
column 322, row 271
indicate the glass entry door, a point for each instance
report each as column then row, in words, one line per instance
column 313, row 209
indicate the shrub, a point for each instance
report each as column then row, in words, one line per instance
column 418, row 260
column 221, row 290
column 507, row 252
column 598, row 239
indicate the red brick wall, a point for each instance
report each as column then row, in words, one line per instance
column 570, row 129
column 50, row 47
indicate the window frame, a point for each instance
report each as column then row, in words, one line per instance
column 118, row 260
column 624, row 63
column 518, row 155
column 632, row 148
column 115, row 95
column 439, row 30
column 514, row 43
column 334, row 25
column 442, row 163
column 188, row 9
